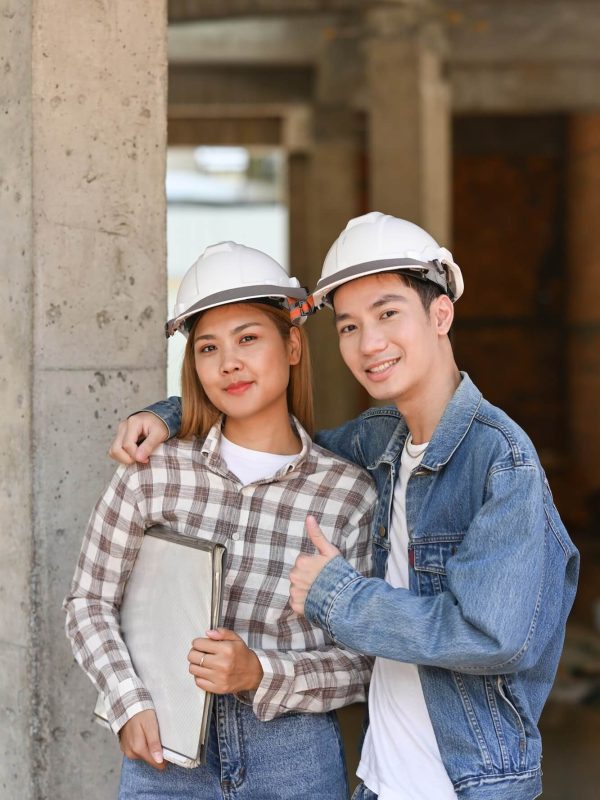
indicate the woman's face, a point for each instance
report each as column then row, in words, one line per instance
column 242, row 361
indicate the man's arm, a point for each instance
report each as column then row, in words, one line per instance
column 140, row 434
column 486, row 620
column 329, row 675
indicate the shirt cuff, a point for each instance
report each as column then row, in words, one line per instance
column 269, row 697
column 125, row 701
column 329, row 583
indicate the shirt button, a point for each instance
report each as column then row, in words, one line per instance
column 382, row 530
column 235, row 536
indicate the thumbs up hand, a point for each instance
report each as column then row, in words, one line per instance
column 307, row 568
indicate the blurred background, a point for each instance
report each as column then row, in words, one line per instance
column 133, row 138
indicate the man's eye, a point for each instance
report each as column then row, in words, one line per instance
column 346, row 329
column 248, row 338
column 391, row 312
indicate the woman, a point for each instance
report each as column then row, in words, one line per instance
column 245, row 473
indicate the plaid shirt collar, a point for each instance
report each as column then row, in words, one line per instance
column 211, row 447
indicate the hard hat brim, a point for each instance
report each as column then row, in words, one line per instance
column 239, row 294
column 429, row 270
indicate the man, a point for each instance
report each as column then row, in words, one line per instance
column 476, row 573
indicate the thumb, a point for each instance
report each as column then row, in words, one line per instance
column 153, row 739
column 222, row 634
column 316, row 536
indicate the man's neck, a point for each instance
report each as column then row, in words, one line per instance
column 423, row 411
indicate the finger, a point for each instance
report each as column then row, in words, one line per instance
column 134, row 431
column 222, row 634
column 157, row 433
column 116, row 451
column 297, row 576
column 154, row 747
column 208, row 686
column 203, row 671
column 199, row 658
column 205, row 645
column 316, row 536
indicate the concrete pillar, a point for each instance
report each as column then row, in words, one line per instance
column 583, row 301
column 15, row 399
column 409, row 116
column 331, row 193
column 82, row 154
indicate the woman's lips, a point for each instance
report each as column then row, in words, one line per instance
column 238, row 388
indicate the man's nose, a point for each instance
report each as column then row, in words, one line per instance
column 372, row 340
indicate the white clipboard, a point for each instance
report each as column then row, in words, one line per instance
column 173, row 595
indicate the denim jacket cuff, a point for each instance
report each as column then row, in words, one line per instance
column 333, row 579
column 156, row 414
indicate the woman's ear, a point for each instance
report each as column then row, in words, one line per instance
column 442, row 315
column 295, row 346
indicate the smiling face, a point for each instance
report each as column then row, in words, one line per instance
column 392, row 345
column 243, row 362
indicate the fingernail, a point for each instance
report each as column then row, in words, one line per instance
column 157, row 756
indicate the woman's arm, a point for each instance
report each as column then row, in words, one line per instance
column 110, row 545
column 331, row 675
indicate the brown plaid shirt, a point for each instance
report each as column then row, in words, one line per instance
column 187, row 486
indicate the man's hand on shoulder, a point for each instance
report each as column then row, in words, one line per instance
column 137, row 438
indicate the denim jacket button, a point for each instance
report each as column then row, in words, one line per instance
column 382, row 530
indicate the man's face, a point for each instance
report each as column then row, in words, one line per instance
column 387, row 339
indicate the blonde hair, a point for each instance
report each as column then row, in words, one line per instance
column 198, row 412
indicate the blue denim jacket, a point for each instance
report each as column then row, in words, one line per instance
column 493, row 575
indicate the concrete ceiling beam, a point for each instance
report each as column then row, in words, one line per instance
column 182, row 10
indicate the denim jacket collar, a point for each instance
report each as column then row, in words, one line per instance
column 449, row 433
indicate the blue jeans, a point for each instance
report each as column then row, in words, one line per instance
column 294, row 757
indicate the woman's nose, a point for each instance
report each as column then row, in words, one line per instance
column 230, row 363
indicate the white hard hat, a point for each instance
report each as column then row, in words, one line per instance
column 227, row 273
column 379, row 242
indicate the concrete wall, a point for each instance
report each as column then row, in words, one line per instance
column 82, row 152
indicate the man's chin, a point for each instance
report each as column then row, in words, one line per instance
column 379, row 392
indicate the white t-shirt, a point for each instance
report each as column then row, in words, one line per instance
column 400, row 758
column 251, row 465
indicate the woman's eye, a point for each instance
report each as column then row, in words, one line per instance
column 207, row 348
column 247, row 338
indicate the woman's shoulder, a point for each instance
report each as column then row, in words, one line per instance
column 169, row 456
column 338, row 466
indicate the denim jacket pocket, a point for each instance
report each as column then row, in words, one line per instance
column 428, row 558
column 514, row 728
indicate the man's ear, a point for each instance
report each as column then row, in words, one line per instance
column 442, row 314
column 295, row 346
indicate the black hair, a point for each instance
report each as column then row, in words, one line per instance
column 427, row 290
